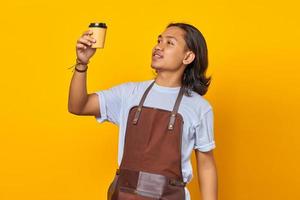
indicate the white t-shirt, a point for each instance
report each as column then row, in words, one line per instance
column 197, row 113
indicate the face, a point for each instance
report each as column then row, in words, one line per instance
column 170, row 50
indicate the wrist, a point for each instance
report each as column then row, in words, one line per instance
column 81, row 67
column 78, row 61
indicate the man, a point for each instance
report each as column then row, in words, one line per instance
column 160, row 121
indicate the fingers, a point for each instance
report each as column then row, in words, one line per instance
column 80, row 46
column 88, row 32
column 83, row 43
column 85, row 40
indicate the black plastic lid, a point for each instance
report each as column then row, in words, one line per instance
column 100, row 25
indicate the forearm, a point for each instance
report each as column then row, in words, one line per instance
column 208, row 182
column 77, row 91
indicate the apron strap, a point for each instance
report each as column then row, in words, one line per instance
column 138, row 112
column 173, row 113
column 177, row 182
column 175, row 109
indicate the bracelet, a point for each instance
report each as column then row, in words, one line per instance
column 79, row 63
column 79, row 70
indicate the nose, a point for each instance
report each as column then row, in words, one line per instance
column 158, row 46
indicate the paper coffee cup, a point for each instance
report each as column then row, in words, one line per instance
column 99, row 33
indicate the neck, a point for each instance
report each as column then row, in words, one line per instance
column 168, row 79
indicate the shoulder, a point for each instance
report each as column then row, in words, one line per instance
column 198, row 103
column 135, row 86
column 140, row 85
column 131, row 87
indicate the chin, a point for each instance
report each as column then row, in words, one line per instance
column 154, row 66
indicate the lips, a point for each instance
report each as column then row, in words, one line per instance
column 157, row 54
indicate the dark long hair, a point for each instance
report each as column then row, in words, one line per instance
column 194, row 76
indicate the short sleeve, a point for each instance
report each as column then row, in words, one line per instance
column 110, row 103
column 204, row 132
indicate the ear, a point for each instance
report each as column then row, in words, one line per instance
column 188, row 58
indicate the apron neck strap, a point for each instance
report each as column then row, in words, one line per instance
column 176, row 107
column 174, row 111
column 138, row 112
column 145, row 95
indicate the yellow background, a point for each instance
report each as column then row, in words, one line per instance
column 47, row 153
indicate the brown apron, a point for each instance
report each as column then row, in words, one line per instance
column 151, row 164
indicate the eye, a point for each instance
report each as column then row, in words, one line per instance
column 158, row 41
column 170, row 43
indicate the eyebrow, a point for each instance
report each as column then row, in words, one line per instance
column 168, row 36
